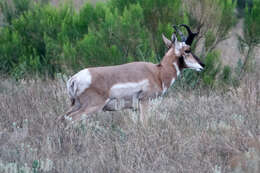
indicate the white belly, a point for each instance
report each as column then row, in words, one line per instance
column 121, row 90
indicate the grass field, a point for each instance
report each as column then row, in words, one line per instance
column 197, row 131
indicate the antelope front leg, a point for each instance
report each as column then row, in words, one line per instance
column 143, row 107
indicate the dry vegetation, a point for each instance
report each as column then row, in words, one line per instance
column 198, row 131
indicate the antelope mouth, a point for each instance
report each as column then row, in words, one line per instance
column 201, row 67
column 197, row 68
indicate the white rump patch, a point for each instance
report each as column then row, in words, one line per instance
column 78, row 83
column 177, row 68
column 128, row 89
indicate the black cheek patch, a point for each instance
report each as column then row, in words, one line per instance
column 182, row 63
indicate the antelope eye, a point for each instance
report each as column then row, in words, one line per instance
column 187, row 51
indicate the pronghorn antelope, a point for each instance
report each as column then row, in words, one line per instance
column 130, row 85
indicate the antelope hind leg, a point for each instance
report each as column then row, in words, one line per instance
column 76, row 106
column 91, row 103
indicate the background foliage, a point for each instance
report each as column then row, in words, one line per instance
column 41, row 39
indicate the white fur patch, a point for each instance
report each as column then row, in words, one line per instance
column 79, row 82
column 177, row 68
column 164, row 89
column 177, row 52
column 128, row 89
column 107, row 101
column 178, row 47
column 173, row 80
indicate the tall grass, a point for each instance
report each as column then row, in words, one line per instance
column 188, row 131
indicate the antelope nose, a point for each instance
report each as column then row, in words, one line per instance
column 202, row 65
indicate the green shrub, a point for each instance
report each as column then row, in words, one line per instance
column 15, row 9
column 251, row 36
column 158, row 15
column 226, row 75
column 241, row 5
column 210, row 38
column 10, row 48
column 95, row 53
column 117, row 39
column 212, row 68
column 252, row 24
column 33, row 43
column 41, row 39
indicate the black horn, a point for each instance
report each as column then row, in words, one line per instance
column 191, row 35
column 183, row 38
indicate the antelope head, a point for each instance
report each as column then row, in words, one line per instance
column 183, row 49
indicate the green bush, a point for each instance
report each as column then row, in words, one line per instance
column 241, row 5
column 251, row 36
column 252, row 24
column 158, row 16
column 38, row 38
column 18, row 8
column 226, row 75
column 210, row 38
column 33, row 41
column 212, row 68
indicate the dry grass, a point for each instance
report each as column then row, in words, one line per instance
column 188, row 132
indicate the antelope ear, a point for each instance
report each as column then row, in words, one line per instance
column 166, row 41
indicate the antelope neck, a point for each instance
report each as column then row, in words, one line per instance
column 171, row 61
column 170, row 69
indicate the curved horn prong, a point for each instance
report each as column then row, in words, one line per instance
column 183, row 38
column 174, row 38
column 191, row 35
